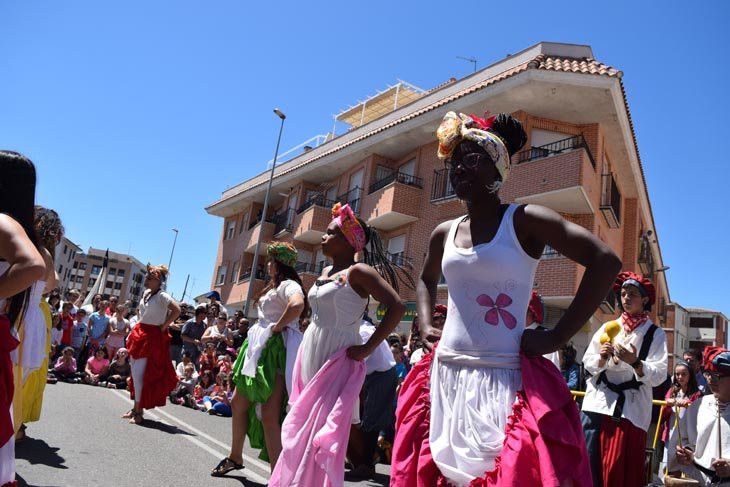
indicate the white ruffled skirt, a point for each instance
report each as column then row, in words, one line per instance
column 470, row 405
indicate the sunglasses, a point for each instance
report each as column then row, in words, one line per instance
column 469, row 161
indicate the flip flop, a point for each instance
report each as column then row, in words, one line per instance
column 226, row 465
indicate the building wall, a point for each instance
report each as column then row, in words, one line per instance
column 64, row 255
column 557, row 276
column 124, row 280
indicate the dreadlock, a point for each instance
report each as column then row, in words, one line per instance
column 377, row 258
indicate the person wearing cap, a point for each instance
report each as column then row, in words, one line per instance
column 617, row 406
column 534, row 320
column 706, row 455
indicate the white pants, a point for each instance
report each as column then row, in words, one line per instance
column 7, row 458
column 138, row 366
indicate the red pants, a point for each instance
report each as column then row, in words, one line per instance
column 623, row 453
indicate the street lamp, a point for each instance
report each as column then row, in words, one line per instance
column 169, row 263
column 254, row 264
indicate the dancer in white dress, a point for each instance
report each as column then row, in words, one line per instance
column 338, row 300
column 488, row 258
column 262, row 373
column 21, row 264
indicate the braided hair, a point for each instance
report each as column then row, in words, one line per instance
column 377, row 258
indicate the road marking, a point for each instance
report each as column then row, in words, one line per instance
column 250, row 474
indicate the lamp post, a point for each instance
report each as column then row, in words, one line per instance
column 169, row 263
column 254, row 264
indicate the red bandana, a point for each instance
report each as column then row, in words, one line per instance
column 632, row 322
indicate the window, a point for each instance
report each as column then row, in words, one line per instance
column 244, row 223
column 60, row 268
column 118, row 285
column 120, row 272
column 221, row 275
column 82, row 266
column 231, row 230
column 112, row 271
column 408, row 168
column 76, row 265
column 544, row 137
column 235, row 271
column 701, row 323
column 65, row 248
column 95, row 269
column 79, row 279
column 92, row 281
column 109, row 284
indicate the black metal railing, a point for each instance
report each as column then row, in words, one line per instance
column 400, row 259
column 610, row 200
column 442, row 188
column 319, row 199
column 557, row 147
column 284, row 221
column 646, row 257
column 352, row 198
column 386, row 175
column 246, row 275
column 309, row 268
column 270, row 217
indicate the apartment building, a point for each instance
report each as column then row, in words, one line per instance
column 64, row 257
column 694, row 328
column 124, row 280
column 581, row 159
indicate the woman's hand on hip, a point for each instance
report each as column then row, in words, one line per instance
column 358, row 353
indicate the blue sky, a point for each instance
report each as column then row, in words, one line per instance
column 138, row 114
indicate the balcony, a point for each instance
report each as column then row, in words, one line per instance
column 284, row 222
column 246, row 275
column 610, row 201
column 270, row 218
column 311, row 222
column 394, row 201
column 309, row 268
column 352, row 198
column 554, row 148
column 441, row 190
column 646, row 257
column 266, row 232
column 399, row 259
column 701, row 334
column 385, row 176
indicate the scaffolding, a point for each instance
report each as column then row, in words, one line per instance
column 379, row 104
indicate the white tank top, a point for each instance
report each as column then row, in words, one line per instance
column 489, row 291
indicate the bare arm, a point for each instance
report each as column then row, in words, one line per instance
column 428, row 284
column 581, row 246
column 51, row 276
column 365, row 280
column 173, row 311
column 26, row 263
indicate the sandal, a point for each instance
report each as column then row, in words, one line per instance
column 226, row 465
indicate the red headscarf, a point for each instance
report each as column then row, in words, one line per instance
column 536, row 307
column 439, row 309
column 644, row 284
column 709, row 355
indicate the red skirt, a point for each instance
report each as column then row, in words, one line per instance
column 8, row 343
column 148, row 341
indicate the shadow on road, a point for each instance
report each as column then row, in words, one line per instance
column 165, row 428
column 37, row 451
column 244, row 481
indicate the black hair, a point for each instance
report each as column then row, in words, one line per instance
column 692, row 385
column 508, row 128
column 696, row 354
column 187, row 354
column 17, row 200
column 569, row 355
column 284, row 272
column 48, row 228
column 378, row 259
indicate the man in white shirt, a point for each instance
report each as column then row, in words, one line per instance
column 378, row 398
column 625, row 365
column 707, row 456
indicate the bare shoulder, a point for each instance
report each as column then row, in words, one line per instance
column 8, row 225
column 361, row 270
column 537, row 214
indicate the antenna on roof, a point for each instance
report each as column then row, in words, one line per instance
column 472, row 60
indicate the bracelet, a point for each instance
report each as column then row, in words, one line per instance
column 636, row 364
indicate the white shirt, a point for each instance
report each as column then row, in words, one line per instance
column 702, row 429
column 637, row 407
column 154, row 311
column 381, row 359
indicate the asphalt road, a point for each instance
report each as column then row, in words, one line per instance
column 82, row 441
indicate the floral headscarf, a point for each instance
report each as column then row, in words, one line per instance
column 351, row 229
column 282, row 252
column 456, row 128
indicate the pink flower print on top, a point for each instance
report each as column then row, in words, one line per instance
column 496, row 310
